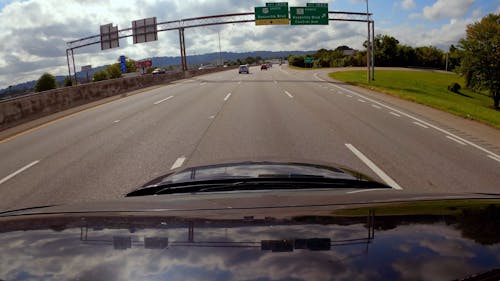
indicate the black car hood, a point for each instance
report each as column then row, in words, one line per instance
column 257, row 169
column 380, row 236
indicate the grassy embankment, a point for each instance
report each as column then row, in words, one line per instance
column 428, row 88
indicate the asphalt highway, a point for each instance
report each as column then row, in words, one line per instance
column 278, row 114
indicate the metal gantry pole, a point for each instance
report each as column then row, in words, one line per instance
column 183, row 49
column 74, row 66
column 373, row 50
column 67, row 60
column 220, row 50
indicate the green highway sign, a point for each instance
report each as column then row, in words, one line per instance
column 308, row 60
column 314, row 13
column 272, row 13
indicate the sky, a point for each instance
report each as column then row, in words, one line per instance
column 34, row 32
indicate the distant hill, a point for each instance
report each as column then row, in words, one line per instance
column 209, row 58
column 226, row 56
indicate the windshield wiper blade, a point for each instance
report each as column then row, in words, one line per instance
column 256, row 184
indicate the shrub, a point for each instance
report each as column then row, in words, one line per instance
column 454, row 87
column 101, row 75
column 46, row 82
column 114, row 71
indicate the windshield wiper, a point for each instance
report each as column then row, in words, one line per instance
column 271, row 183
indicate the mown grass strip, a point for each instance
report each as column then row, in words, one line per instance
column 428, row 88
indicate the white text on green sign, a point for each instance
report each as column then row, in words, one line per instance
column 309, row 15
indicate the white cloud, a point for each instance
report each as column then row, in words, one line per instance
column 414, row 16
column 35, row 32
column 442, row 36
column 447, row 9
column 407, row 4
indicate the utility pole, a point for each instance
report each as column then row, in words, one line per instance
column 368, row 47
column 447, row 61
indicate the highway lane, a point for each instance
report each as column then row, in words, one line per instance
column 107, row 151
column 419, row 157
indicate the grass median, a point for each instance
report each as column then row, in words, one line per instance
column 428, row 88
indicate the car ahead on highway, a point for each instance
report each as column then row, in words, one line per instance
column 158, row 71
column 263, row 67
column 243, row 69
column 257, row 221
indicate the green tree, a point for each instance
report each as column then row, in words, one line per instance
column 114, row 71
column 406, row 56
column 386, row 49
column 454, row 58
column 68, row 81
column 480, row 62
column 430, row 57
column 249, row 60
column 296, row 61
column 130, row 64
column 359, row 58
column 46, row 82
column 100, row 75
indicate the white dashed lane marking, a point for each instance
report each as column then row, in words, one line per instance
column 178, row 163
column 165, row 99
column 19, row 171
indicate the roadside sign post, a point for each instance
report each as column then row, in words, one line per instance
column 123, row 64
column 86, row 69
column 308, row 60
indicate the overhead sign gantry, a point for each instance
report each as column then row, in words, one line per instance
column 275, row 13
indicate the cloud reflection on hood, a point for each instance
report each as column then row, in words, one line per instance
column 413, row 252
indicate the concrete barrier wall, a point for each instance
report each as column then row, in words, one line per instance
column 26, row 108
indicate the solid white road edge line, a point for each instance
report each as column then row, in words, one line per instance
column 455, row 140
column 19, row 171
column 160, row 101
column 376, row 106
column 178, row 163
column 227, row 96
column 288, row 94
column 388, row 180
column 494, row 158
column 395, row 114
column 414, row 118
column 421, row 125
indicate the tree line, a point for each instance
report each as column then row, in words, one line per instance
column 388, row 52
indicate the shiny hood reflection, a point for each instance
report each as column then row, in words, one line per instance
column 299, row 248
column 257, row 170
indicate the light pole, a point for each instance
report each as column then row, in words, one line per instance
column 220, row 51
